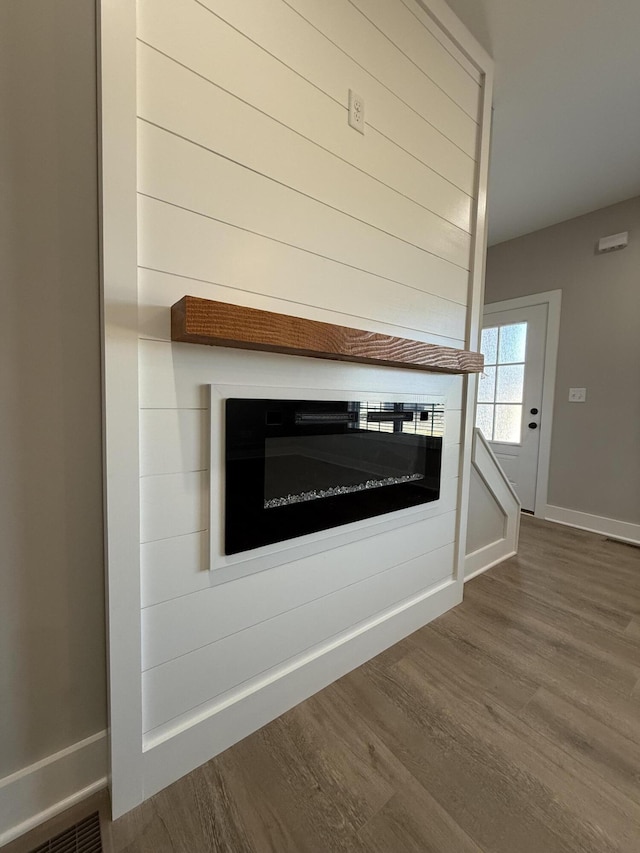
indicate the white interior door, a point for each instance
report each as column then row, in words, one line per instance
column 509, row 411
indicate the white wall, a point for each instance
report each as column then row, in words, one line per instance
column 253, row 189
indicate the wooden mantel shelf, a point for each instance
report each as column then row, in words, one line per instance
column 202, row 321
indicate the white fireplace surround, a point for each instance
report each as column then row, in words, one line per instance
column 204, row 649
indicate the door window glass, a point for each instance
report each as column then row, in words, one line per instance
column 487, row 385
column 501, row 386
column 507, row 423
column 484, row 419
column 513, row 343
column 510, row 383
column 489, row 345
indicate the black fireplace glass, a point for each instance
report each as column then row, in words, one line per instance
column 294, row 467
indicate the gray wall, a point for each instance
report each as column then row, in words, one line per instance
column 52, row 656
column 595, row 455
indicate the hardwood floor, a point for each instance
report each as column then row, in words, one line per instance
column 509, row 725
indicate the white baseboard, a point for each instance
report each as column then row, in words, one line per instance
column 625, row 531
column 487, row 557
column 206, row 737
column 41, row 791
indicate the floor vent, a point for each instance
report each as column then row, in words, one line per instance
column 621, row 542
column 84, row 837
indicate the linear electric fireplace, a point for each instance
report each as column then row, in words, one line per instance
column 294, row 467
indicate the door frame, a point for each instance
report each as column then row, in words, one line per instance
column 553, row 300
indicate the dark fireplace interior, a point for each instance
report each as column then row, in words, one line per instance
column 298, row 466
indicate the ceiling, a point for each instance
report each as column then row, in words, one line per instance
column 566, row 129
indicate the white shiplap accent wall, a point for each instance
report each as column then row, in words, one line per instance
column 253, row 189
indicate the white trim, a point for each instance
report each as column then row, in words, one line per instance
column 204, row 737
column 487, row 558
column 481, row 446
column 501, row 490
column 625, row 531
column 43, row 790
column 553, row 300
column 118, row 152
column 448, row 21
column 461, row 36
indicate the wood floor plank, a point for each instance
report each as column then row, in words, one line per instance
column 526, row 632
column 602, row 750
column 471, row 754
column 581, row 556
column 350, row 743
column 612, row 707
column 509, row 725
column 618, row 656
column 322, row 777
column 573, row 577
column 413, row 822
column 144, row 831
column 566, row 596
column 551, row 772
column 438, row 654
column 248, row 820
column 633, row 629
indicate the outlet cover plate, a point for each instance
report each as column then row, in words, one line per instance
column 577, row 395
column 356, row 111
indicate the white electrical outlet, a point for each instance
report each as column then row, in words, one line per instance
column 577, row 395
column 356, row 111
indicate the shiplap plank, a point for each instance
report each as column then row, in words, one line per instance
column 176, row 99
column 173, row 441
column 397, row 23
column 181, row 685
column 176, row 376
column 345, row 27
column 304, row 276
column 283, row 34
column 191, row 621
column 221, row 58
column 173, row 567
column 177, row 241
column 181, row 173
column 173, row 504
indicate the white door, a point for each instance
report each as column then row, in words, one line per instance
column 509, row 411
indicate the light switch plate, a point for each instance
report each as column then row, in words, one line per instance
column 577, row 395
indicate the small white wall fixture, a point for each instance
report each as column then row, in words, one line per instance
column 498, row 491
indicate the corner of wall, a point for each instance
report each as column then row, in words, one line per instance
column 43, row 790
